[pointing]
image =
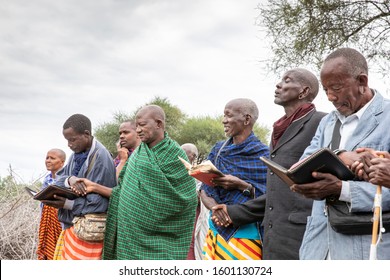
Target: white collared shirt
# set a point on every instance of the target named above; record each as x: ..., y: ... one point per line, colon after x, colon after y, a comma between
x: 348, y: 126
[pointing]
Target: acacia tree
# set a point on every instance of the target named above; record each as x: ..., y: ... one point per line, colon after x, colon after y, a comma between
x: 302, y: 32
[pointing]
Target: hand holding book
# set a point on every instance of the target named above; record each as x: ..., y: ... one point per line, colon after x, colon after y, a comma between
x: 324, y: 161
x: 52, y: 192
x: 204, y: 172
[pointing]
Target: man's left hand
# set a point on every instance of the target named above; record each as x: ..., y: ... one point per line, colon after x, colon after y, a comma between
x: 58, y: 203
x: 229, y: 182
x: 326, y: 185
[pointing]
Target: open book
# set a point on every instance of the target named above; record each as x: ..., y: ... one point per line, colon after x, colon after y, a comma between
x: 324, y: 160
x: 49, y: 192
x: 204, y: 171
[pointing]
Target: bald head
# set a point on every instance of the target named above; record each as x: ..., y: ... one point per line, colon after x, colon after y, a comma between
x: 60, y: 153
x: 55, y: 159
x: 153, y: 111
x: 150, y: 121
x: 306, y: 79
x: 191, y: 151
x: 246, y: 107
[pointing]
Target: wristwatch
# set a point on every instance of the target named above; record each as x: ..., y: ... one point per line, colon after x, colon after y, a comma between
x: 247, y: 191
x: 339, y: 151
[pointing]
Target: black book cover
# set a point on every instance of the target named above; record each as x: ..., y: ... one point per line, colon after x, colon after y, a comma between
x: 324, y: 161
x: 49, y: 192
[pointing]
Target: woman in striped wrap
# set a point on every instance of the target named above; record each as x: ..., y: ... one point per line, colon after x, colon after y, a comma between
x: 49, y: 226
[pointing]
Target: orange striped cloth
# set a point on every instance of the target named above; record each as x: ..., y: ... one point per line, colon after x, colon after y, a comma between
x: 217, y: 248
x: 59, y: 246
x: 49, y: 231
x: 77, y: 249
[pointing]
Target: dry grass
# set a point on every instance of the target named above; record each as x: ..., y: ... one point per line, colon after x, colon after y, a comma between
x: 19, y: 220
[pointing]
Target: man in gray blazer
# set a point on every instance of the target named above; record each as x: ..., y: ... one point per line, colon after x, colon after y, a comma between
x: 283, y: 212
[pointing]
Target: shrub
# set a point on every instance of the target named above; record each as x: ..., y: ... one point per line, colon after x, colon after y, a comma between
x: 19, y: 220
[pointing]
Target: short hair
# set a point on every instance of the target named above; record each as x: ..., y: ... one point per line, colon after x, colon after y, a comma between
x: 132, y: 122
x: 356, y: 62
x: 191, y: 147
x: 247, y: 106
x: 306, y: 78
x: 60, y: 153
x: 156, y: 111
x: 79, y: 123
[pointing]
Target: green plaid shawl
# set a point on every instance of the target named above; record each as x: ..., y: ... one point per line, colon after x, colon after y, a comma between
x: 152, y: 210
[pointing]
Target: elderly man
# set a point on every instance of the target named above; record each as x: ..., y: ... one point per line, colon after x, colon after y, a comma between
x: 152, y: 210
x: 245, y: 177
x: 91, y: 160
x: 360, y: 120
x: 284, y: 212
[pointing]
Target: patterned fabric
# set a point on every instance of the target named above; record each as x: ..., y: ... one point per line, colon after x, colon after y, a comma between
x: 242, y: 161
x: 201, y: 229
x: 47, y: 181
x: 49, y: 226
x: 77, y: 249
x: 217, y: 248
x: 49, y: 231
x: 79, y: 160
x: 152, y: 210
x: 98, y: 168
x: 60, y: 245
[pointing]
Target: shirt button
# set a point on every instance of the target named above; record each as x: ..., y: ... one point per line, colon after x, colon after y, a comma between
x: 270, y: 225
x: 270, y: 208
x: 273, y: 155
x: 271, y: 173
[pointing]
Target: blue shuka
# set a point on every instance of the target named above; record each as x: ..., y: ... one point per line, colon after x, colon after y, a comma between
x: 242, y: 161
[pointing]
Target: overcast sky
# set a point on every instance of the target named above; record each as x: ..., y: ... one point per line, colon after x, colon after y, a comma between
x: 99, y: 57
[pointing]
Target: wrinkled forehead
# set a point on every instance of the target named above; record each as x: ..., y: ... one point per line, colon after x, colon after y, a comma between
x: 334, y: 66
x: 233, y: 106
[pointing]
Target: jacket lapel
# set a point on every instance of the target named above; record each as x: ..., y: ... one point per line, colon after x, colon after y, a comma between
x: 367, y: 123
x: 292, y: 130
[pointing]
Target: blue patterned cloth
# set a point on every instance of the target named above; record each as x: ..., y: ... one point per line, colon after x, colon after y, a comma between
x: 79, y: 160
x: 47, y: 181
x: 242, y: 161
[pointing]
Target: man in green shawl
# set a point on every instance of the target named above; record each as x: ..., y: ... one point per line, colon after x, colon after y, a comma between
x: 152, y: 210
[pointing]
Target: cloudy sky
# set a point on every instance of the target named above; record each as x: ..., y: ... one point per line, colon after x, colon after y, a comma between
x: 99, y: 57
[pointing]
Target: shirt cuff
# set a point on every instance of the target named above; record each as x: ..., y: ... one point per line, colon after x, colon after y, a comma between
x: 68, y: 205
x: 66, y: 182
x: 345, y: 194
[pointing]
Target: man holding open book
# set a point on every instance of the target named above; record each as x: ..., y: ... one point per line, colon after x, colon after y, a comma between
x: 360, y: 119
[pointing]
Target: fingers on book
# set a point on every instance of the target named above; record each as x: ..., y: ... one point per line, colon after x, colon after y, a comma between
x: 49, y: 192
x: 204, y: 172
x: 323, y: 160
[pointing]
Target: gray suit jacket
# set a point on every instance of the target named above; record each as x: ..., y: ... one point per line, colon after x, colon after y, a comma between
x: 283, y: 212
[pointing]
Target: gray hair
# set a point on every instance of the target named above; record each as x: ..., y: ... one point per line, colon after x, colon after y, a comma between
x: 356, y: 62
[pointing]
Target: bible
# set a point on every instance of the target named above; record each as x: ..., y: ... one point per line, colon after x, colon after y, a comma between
x: 204, y: 171
x: 323, y: 160
x: 49, y: 192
